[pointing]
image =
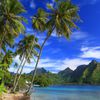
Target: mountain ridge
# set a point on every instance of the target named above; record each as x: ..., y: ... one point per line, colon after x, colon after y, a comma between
x: 83, y: 74
x: 67, y: 68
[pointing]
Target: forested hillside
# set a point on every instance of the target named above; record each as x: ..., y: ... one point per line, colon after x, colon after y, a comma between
x: 83, y: 74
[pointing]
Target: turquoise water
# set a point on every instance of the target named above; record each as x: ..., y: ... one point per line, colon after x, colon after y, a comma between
x: 66, y: 93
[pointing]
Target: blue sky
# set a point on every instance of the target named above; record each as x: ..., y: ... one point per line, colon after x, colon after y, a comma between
x: 59, y: 53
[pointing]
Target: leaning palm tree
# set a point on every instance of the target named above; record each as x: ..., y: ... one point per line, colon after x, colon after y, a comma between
x: 61, y: 18
x: 23, y: 48
x: 10, y: 21
x: 27, y: 49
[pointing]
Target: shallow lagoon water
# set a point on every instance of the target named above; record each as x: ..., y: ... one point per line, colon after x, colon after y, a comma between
x: 66, y: 93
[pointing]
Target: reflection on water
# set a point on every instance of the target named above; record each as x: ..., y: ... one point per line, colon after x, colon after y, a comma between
x: 67, y: 93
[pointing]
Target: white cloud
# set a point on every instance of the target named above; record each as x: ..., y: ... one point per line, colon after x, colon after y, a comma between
x: 73, y: 63
x: 29, y: 29
x: 54, y: 64
x: 77, y: 35
x: 90, y: 52
x: 54, y: 34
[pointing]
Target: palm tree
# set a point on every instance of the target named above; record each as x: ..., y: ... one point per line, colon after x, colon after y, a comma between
x: 10, y: 21
x: 60, y: 18
x: 22, y: 48
x: 27, y: 49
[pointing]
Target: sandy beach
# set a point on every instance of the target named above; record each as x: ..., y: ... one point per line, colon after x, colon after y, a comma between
x: 14, y: 97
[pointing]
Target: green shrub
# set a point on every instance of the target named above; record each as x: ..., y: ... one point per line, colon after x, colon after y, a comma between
x: 2, y: 89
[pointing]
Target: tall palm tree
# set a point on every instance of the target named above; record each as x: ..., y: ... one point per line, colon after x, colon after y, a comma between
x: 61, y: 18
x: 10, y: 21
x: 27, y: 49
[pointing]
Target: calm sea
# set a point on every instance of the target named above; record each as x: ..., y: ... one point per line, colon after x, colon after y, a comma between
x: 66, y: 93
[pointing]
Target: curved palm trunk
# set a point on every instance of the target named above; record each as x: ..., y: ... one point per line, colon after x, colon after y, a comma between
x: 19, y: 76
x: 17, y: 72
x: 34, y: 72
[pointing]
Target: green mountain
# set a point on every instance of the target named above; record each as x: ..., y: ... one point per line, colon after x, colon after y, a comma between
x: 91, y: 75
x: 66, y: 74
x: 77, y: 73
x: 83, y: 74
x: 45, y: 78
x: 39, y: 71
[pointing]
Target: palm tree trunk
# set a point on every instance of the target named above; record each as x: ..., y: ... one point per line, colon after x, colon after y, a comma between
x: 34, y: 72
x: 19, y: 76
x: 17, y: 72
x: 16, y: 84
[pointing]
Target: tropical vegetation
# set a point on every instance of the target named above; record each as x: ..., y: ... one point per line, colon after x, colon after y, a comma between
x: 63, y: 13
x: 79, y: 76
x: 83, y: 74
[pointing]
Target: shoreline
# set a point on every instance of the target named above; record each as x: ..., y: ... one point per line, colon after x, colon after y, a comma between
x: 73, y: 85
